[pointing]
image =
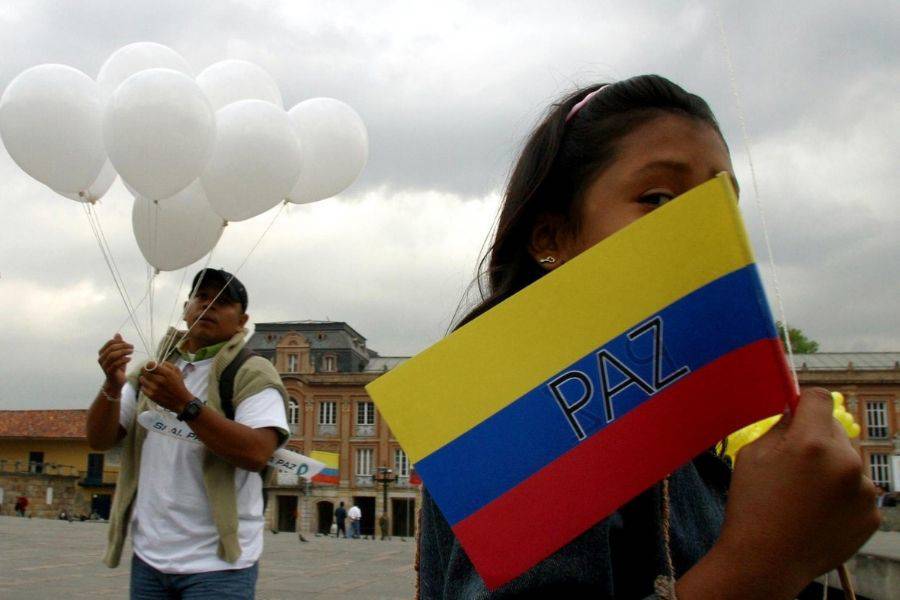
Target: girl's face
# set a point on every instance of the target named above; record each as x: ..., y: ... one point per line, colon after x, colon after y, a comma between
x: 656, y: 162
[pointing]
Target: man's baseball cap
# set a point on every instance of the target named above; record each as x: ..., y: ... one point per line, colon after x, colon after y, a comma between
x: 231, y: 285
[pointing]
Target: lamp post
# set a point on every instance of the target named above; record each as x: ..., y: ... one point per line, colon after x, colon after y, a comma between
x: 385, y: 477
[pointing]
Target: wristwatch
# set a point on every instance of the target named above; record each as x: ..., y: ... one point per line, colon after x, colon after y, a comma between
x: 191, y: 410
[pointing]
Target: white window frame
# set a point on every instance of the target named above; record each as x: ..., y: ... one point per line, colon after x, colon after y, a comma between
x: 876, y: 420
x: 365, y: 412
x: 329, y: 363
x: 293, y: 412
x: 880, y: 469
x: 364, y: 459
x: 328, y: 412
x: 401, y: 463
x: 293, y: 363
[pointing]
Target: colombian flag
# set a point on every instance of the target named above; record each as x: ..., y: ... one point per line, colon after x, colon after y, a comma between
x: 414, y: 477
x: 546, y: 414
x: 328, y: 475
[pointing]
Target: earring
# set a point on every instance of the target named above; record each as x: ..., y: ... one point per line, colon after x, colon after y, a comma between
x: 548, y: 260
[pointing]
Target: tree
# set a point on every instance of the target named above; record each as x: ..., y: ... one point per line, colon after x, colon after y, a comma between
x: 799, y: 342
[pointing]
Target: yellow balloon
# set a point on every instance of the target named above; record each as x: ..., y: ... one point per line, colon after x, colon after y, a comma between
x: 838, y: 398
x: 754, y: 431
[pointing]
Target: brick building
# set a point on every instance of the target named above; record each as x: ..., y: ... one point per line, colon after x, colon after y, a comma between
x: 325, y: 366
x: 45, y: 456
x: 870, y: 382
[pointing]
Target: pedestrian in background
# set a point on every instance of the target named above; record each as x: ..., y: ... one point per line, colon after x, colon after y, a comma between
x: 340, y: 519
x: 383, y: 526
x: 355, y: 517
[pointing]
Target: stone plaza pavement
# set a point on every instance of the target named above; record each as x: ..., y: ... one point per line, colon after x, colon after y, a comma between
x: 41, y: 559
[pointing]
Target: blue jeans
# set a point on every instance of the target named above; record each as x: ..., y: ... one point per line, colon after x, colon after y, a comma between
x: 148, y: 583
x: 354, y: 529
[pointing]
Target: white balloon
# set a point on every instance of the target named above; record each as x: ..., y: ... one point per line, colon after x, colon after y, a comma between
x: 335, y: 148
x: 233, y: 80
x: 128, y: 60
x: 178, y: 231
x: 50, y: 122
x: 97, y: 189
x: 256, y: 160
x: 159, y: 131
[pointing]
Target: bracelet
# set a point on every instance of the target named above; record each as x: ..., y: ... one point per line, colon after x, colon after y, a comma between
x: 108, y: 397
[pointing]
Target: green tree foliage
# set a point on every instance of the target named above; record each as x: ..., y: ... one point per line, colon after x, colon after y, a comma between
x: 799, y: 342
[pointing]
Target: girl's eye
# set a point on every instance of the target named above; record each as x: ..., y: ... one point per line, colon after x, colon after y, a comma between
x: 656, y: 198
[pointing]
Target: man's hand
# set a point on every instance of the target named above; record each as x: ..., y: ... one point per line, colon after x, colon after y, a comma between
x: 165, y: 386
x: 113, y: 357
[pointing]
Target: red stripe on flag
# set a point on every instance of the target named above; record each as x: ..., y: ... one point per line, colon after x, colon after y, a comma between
x: 329, y: 479
x: 561, y: 501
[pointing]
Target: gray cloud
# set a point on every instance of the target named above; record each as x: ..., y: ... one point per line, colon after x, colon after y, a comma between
x: 448, y: 98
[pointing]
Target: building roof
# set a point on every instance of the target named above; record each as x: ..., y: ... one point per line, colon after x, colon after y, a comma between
x: 321, y: 335
x: 842, y: 361
x: 384, y: 363
x: 307, y: 325
x: 45, y: 424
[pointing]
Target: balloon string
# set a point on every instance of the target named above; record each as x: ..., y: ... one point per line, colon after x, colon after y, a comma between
x: 139, y: 304
x: 151, y: 285
x: 115, y: 268
x: 240, y: 266
x: 759, y: 204
x: 154, y: 245
x: 171, y: 340
x: 165, y: 346
x: 846, y: 582
x: 106, y: 245
x: 106, y: 251
x: 108, y: 259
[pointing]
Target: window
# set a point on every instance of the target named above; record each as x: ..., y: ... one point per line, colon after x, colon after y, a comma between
x: 876, y: 420
x: 329, y: 363
x: 36, y: 462
x: 292, y: 363
x: 327, y: 413
x: 94, y: 469
x: 401, y: 463
x: 364, y: 461
x: 365, y: 413
x: 879, y: 470
x: 293, y: 413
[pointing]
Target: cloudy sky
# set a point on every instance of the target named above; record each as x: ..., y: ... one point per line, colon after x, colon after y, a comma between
x: 448, y: 92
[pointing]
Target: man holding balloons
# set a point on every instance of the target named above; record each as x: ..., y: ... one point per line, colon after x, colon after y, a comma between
x: 195, y: 153
x: 190, y: 486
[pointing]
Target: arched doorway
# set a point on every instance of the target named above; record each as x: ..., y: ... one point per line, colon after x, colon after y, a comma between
x: 325, y: 510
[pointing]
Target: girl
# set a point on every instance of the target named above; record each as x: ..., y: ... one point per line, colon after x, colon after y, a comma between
x: 602, y: 158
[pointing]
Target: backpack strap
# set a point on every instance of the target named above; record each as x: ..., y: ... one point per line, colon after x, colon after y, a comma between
x: 226, y: 397
x: 226, y: 380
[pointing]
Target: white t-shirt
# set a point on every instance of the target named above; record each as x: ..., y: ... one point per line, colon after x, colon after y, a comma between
x: 172, y: 526
x: 354, y: 513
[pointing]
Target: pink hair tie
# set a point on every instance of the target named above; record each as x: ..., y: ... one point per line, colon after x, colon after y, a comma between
x: 584, y: 101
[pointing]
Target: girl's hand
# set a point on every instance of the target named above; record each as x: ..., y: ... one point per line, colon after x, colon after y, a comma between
x: 800, y: 503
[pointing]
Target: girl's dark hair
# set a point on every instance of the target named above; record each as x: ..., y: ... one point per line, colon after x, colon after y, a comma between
x: 559, y: 162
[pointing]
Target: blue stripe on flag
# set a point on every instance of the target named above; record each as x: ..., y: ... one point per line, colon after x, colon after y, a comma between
x: 505, y: 449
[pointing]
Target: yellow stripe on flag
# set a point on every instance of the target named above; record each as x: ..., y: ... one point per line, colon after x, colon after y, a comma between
x: 479, y: 369
x: 329, y: 458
